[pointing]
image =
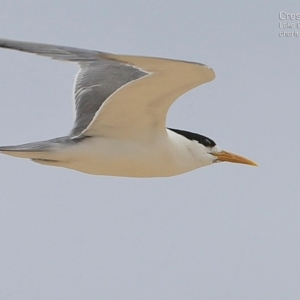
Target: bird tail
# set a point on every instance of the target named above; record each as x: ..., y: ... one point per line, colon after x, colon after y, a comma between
x: 44, y: 150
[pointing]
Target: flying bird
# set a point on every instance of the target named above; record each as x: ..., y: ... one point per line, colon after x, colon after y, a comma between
x: 121, y: 104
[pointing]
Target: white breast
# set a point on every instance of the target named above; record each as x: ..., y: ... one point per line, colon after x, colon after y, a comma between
x: 167, y: 155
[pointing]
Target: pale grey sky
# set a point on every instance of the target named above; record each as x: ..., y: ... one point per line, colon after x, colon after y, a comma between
x: 223, y: 232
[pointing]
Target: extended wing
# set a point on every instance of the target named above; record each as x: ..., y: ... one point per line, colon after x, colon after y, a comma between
x: 120, y: 95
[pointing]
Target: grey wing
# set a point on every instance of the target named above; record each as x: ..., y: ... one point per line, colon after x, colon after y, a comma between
x: 139, y: 108
x: 110, y: 97
x: 100, y: 75
x: 56, y: 52
x: 95, y: 82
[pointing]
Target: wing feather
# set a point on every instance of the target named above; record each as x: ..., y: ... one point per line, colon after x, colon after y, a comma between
x: 95, y: 82
x: 120, y: 95
x: 139, y: 108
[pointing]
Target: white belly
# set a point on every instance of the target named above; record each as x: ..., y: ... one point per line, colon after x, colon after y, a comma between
x: 106, y: 156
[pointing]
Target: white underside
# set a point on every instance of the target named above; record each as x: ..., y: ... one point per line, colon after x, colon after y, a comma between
x: 126, y: 130
x: 168, y: 155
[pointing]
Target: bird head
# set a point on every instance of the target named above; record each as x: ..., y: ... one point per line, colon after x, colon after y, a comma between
x: 207, y: 152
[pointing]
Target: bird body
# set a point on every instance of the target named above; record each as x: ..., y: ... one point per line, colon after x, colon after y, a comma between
x: 162, y: 156
x: 121, y: 104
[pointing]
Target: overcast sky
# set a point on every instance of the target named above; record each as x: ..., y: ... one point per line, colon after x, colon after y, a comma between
x: 222, y: 232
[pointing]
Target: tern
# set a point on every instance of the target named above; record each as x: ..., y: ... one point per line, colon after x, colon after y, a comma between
x: 121, y: 104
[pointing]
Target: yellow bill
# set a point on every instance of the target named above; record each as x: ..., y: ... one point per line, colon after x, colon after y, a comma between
x: 233, y: 158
